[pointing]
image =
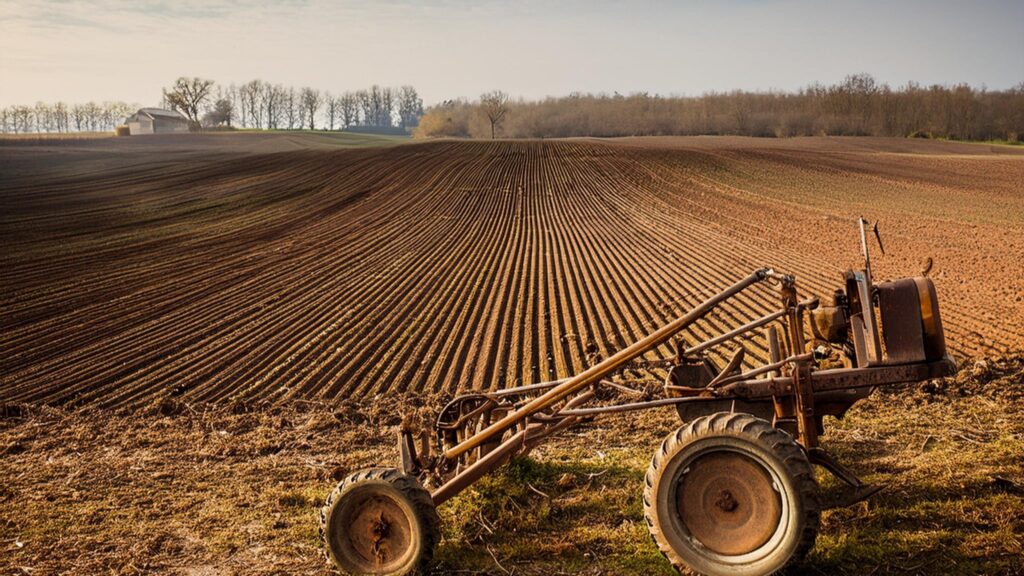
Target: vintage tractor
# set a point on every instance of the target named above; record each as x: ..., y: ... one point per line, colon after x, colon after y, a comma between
x: 729, y: 492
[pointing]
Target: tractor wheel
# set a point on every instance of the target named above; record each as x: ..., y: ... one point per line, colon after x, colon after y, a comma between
x: 380, y: 521
x: 729, y: 494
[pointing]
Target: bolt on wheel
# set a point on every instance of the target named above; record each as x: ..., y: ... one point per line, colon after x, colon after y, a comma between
x: 730, y: 494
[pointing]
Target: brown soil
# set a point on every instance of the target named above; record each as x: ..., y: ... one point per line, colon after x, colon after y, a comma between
x: 225, y: 269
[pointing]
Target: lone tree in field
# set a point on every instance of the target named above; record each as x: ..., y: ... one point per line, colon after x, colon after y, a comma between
x: 495, y: 106
x: 312, y: 100
x: 187, y: 96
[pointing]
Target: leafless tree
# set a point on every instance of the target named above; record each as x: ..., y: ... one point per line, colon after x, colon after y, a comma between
x: 232, y: 95
x: 250, y: 96
x: 273, y: 99
x: 366, y: 106
x: 387, y: 106
x: 292, y: 108
x: 311, y: 101
x: 349, y: 109
x: 95, y: 115
x: 21, y: 118
x: 78, y: 114
x: 332, y: 110
x: 41, y: 117
x: 410, y: 107
x: 61, y: 117
x: 495, y: 106
x: 108, y: 115
x: 375, y: 105
x: 187, y: 96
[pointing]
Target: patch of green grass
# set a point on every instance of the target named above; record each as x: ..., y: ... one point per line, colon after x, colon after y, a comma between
x: 332, y: 137
x: 575, y: 505
x: 566, y: 513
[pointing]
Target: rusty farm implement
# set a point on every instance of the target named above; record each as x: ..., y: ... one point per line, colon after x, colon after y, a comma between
x: 729, y: 492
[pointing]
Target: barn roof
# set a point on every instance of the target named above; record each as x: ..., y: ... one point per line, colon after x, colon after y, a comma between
x: 160, y: 112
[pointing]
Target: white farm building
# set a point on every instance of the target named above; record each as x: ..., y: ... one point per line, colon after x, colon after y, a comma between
x: 156, y: 121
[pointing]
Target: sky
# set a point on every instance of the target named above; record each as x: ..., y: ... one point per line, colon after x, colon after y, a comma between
x: 81, y: 50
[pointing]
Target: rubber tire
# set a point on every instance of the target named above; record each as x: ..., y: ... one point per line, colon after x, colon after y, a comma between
x: 773, y: 447
x: 426, y: 528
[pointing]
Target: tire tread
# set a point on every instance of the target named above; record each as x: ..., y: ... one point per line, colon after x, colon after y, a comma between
x: 788, y: 451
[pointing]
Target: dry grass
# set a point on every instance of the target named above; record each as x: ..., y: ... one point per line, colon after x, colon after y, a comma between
x: 231, y: 491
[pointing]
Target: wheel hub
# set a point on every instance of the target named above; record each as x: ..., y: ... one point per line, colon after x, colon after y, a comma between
x: 728, y: 503
x: 380, y: 536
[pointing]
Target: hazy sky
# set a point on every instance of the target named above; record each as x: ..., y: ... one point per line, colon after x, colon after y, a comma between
x: 110, y: 50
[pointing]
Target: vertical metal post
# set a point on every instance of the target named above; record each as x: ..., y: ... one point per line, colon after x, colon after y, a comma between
x: 807, y: 428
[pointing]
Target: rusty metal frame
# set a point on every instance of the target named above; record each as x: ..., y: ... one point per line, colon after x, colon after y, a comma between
x: 480, y: 431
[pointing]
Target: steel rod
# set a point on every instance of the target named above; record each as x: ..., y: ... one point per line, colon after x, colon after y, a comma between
x: 745, y: 328
x: 617, y: 408
x: 520, y: 440
x: 840, y: 378
x: 761, y: 370
x: 527, y: 388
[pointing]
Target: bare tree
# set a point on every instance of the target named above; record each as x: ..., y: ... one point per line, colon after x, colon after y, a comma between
x: 273, y: 98
x: 332, y: 110
x: 349, y: 109
x: 311, y: 101
x: 109, y: 115
x: 23, y: 119
x: 250, y: 94
x: 233, y: 95
x: 92, y: 115
x: 16, y: 119
x: 60, y: 113
x: 291, y: 108
x: 495, y: 107
x: 41, y: 117
x: 375, y: 106
x: 387, y: 106
x: 365, y: 107
x: 187, y: 96
x: 78, y: 114
x: 410, y: 107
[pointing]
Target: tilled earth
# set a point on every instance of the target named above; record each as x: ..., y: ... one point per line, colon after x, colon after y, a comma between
x: 267, y: 269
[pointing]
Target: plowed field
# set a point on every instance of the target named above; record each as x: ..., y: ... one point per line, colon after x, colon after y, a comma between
x: 271, y: 274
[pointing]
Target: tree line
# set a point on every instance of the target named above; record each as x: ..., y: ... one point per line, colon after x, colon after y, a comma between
x: 63, y: 117
x: 261, y: 104
x: 857, y: 106
x: 254, y: 104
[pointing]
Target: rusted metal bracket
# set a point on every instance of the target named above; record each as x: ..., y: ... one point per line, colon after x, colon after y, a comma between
x: 841, y: 379
x: 859, y: 489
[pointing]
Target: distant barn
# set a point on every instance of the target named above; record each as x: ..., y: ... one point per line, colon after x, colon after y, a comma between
x: 156, y: 121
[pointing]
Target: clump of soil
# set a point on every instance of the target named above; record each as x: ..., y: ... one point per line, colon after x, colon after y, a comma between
x: 995, y: 376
